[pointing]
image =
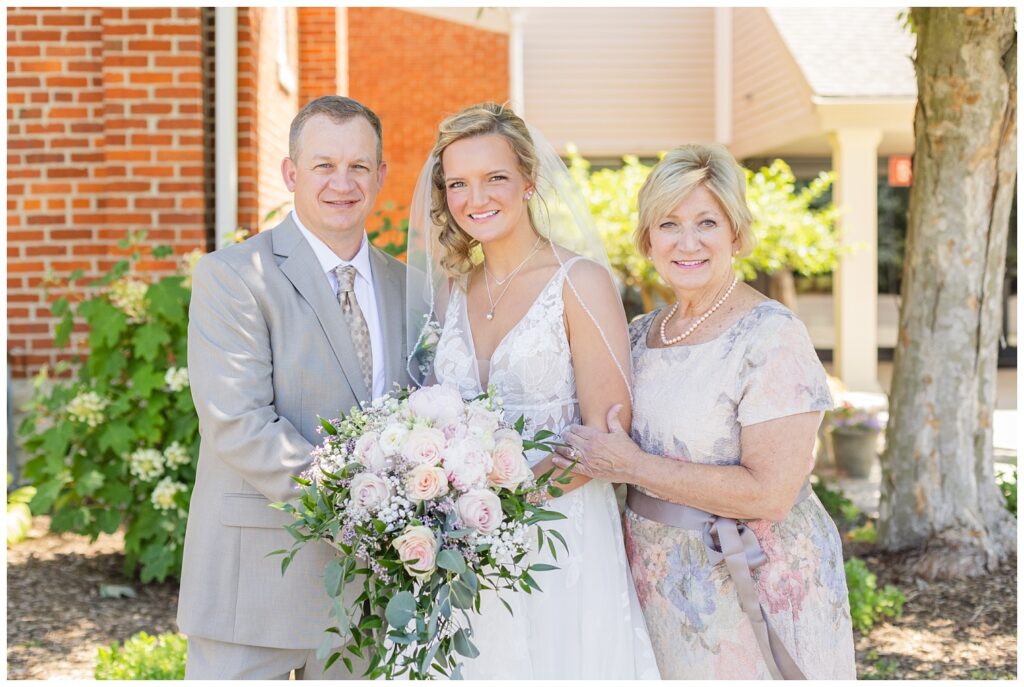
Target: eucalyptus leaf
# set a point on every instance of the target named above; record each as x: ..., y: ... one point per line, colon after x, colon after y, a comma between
x: 463, y: 645
x: 400, y: 610
x: 450, y: 559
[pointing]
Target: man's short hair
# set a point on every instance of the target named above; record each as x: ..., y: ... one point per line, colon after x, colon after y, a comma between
x: 340, y: 109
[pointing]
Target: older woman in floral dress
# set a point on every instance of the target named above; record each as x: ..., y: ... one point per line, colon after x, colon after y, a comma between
x: 738, y: 567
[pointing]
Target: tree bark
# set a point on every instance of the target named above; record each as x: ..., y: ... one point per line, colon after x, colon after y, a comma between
x: 938, y: 492
x: 782, y: 287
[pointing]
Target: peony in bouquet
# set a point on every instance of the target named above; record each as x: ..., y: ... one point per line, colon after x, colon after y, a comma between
x: 429, y: 500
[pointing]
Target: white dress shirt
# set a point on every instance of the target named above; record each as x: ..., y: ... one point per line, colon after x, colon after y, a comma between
x: 365, y: 294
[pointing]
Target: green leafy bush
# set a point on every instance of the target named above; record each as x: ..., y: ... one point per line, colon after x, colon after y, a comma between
x: 868, y: 604
x: 1007, y: 482
x: 19, y: 516
x: 845, y: 513
x: 795, y: 229
x: 143, y: 658
x: 116, y: 443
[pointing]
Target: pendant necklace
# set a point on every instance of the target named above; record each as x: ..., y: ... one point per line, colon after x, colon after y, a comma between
x: 507, y: 281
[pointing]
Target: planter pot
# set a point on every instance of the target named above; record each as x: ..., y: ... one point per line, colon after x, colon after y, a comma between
x: 855, y: 450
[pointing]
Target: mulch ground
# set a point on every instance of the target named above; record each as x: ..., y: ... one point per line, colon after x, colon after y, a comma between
x: 56, y: 618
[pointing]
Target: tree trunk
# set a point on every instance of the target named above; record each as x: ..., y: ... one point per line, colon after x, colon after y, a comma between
x: 782, y: 287
x: 938, y: 493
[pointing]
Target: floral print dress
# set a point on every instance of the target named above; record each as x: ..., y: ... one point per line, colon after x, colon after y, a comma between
x: 690, y: 404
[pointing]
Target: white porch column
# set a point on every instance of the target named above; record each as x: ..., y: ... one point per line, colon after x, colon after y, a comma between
x: 855, y: 287
x: 226, y: 123
x: 515, y: 60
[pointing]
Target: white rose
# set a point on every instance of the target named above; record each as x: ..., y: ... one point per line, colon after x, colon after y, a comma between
x: 368, y: 490
x: 392, y: 438
x: 509, y: 468
x: 417, y: 549
x: 425, y: 482
x: 369, y: 453
x: 423, y: 445
x: 438, y: 403
x: 467, y: 463
x: 480, y: 509
x: 454, y: 429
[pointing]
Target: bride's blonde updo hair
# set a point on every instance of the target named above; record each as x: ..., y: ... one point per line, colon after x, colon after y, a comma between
x: 476, y: 120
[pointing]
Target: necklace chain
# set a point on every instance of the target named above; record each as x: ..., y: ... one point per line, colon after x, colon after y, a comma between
x: 693, y: 327
x: 507, y: 281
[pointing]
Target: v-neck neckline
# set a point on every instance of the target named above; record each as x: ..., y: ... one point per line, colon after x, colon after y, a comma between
x: 472, y: 341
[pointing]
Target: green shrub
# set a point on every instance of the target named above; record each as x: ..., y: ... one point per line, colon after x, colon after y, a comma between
x: 1007, y: 481
x: 116, y: 443
x: 19, y: 516
x: 868, y: 604
x: 143, y: 658
x: 795, y: 229
x: 845, y: 513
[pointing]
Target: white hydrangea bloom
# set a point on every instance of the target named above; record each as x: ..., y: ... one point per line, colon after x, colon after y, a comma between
x: 146, y: 464
x: 175, y: 455
x: 129, y: 296
x: 188, y: 265
x: 87, y: 407
x: 176, y: 378
x: 164, y: 492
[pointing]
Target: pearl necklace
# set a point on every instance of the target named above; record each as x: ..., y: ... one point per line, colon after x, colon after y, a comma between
x: 676, y: 339
x: 507, y: 280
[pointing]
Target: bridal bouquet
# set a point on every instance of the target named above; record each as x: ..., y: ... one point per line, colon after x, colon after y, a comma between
x: 429, y: 500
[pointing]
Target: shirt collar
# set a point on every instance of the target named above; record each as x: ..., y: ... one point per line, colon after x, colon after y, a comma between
x: 329, y: 260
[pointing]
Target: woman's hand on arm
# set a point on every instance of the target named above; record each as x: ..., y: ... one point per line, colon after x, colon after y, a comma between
x: 601, y: 374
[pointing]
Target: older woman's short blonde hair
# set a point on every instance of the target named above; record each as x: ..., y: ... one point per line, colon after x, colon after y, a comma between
x: 681, y: 171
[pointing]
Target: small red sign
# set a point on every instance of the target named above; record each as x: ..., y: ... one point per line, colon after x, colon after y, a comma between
x: 900, y: 170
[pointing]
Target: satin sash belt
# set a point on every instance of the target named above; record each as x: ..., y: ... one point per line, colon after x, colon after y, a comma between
x: 727, y: 540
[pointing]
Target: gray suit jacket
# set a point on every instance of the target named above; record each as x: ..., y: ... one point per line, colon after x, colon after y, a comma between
x: 268, y: 351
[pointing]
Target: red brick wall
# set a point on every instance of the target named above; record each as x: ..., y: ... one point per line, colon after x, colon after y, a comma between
x: 413, y: 70
x: 104, y: 137
x: 318, y: 53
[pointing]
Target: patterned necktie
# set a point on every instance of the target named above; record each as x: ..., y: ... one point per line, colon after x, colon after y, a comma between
x: 353, y: 315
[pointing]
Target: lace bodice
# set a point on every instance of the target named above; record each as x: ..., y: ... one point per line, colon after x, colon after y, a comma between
x: 531, y: 367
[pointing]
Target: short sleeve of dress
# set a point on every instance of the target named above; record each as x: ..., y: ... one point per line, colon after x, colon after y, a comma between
x: 638, y: 328
x: 781, y: 374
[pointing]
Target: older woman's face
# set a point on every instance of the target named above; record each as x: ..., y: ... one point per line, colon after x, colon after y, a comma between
x: 692, y: 246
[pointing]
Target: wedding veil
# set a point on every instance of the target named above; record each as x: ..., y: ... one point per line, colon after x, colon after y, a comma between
x: 560, y: 214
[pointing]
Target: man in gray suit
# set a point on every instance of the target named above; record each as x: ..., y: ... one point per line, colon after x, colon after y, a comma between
x: 304, y: 320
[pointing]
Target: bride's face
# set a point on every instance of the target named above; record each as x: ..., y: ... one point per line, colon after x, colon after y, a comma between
x: 486, y: 192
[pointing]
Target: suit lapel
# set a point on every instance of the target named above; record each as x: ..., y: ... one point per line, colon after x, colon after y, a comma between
x: 388, y: 288
x: 305, y: 273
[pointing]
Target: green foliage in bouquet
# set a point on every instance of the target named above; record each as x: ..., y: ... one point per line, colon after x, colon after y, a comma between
x: 143, y: 657
x: 868, y: 604
x: 795, y: 228
x: 116, y: 443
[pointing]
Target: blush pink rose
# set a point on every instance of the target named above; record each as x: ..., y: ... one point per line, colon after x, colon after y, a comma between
x: 368, y: 490
x: 480, y: 509
x: 425, y: 482
x: 509, y: 467
x: 417, y: 549
x: 423, y: 446
x: 369, y: 452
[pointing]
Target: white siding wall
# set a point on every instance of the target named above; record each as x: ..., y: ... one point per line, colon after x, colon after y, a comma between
x: 617, y: 81
x: 771, y: 99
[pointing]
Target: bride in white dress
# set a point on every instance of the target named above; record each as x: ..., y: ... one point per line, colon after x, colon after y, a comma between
x: 544, y: 325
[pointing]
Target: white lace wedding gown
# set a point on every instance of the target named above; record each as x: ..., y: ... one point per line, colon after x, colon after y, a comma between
x: 586, y: 623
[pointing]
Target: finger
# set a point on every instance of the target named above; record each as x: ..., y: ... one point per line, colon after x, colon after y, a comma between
x: 614, y: 426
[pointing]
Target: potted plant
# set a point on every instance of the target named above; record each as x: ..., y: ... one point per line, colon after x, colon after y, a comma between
x: 855, y: 433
